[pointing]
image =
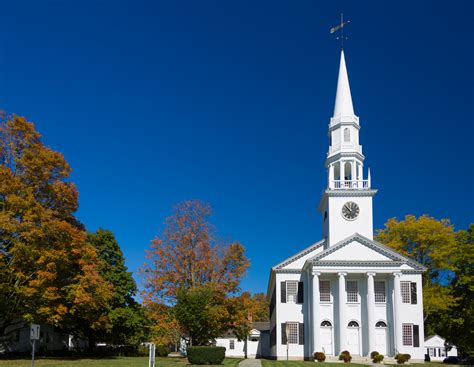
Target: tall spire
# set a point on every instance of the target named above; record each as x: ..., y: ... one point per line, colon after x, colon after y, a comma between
x: 343, y: 105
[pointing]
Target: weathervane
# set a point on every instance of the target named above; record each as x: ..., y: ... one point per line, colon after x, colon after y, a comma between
x: 340, y: 27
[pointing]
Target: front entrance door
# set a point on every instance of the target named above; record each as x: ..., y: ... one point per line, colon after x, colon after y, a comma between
x: 381, y: 337
x: 326, y: 337
x: 353, y: 338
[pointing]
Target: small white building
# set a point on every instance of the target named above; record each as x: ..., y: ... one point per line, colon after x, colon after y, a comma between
x: 257, y: 345
x: 346, y: 291
x: 436, y: 348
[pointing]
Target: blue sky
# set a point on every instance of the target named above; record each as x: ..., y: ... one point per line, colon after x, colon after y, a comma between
x: 153, y: 103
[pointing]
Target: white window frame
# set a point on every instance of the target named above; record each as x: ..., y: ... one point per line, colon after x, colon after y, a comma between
x: 293, y: 336
x: 378, y: 297
x: 292, y: 297
x: 231, y: 344
x: 352, y: 296
x: 405, y: 290
x: 326, y: 296
x: 407, y: 335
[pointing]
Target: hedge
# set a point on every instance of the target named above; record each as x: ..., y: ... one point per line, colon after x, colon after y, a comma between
x: 205, y: 355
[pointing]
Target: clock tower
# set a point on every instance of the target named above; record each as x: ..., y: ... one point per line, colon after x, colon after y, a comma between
x: 346, y: 204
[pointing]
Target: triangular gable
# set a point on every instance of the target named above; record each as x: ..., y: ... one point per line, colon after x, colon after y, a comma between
x: 298, y: 260
x: 358, y: 247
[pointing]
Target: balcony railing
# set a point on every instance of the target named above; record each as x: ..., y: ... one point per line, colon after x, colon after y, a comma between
x: 349, y: 184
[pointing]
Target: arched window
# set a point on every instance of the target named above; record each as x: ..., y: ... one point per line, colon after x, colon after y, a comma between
x: 347, y: 134
x: 380, y: 324
x: 326, y: 323
x: 353, y: 324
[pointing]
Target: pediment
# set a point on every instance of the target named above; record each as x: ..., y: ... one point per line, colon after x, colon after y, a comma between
x: 298, y: 260
x: 358, y: 249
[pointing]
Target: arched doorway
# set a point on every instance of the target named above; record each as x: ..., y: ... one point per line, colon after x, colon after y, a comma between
x: 326, y: 337
x: 381, y: 337
x: 353, y: 338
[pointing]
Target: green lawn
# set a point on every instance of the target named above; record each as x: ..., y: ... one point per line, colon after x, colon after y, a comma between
x: 105, y: 362
x: 271, y: 363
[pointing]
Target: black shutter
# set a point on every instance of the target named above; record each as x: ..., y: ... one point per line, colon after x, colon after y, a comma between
x: 413, y: 293
x: 416, y: 334
x: 283, y: 292
x: 300, y: 292
x: 283, y: 333
x: 301, y: 333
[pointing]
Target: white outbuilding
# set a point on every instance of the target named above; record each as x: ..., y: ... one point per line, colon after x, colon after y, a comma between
x: 437, y: 349
x: 346, y: 291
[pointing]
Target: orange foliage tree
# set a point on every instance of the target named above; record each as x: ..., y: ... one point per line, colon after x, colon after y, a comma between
x: 187, y: 255
x: 48, y: 272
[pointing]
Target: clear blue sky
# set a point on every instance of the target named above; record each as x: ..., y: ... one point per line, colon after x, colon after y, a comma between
x: 229, y: 101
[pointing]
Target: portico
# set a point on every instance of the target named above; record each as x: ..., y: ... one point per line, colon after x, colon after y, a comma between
x: 368, y: 309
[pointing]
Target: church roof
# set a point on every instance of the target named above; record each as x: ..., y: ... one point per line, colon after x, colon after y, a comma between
x: 299, y: 255
x: 386, y: 251
x: 343, y: 105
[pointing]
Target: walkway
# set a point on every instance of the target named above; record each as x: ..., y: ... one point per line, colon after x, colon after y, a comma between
x: 250, y: 363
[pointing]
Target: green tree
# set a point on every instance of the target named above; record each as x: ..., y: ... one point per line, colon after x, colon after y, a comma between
x: 202, y: 313
x: 457, y: 325
x: 125, y: 315
x: 432, y: 243
x: 48, y: 272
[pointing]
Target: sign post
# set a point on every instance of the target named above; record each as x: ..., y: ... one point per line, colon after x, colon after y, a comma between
x: 34, y: 336
x: 151, y: 360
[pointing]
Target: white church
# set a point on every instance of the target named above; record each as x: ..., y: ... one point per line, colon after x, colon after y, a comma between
x: 346, y: 291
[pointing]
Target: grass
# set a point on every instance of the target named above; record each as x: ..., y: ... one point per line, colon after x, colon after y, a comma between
x: 106, y: 362
x: 272, y: 363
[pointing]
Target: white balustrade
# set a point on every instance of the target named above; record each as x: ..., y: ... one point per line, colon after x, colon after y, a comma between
x: 350, y: 184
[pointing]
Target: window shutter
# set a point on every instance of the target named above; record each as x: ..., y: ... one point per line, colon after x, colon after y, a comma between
x: 301, y: 333
x: 413, y: 294
x: 300, y: 292
x: 416, y: 334
x: 283, y: 292
x: 283, y: 333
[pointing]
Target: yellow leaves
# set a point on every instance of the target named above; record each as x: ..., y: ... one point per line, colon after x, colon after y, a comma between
x: 51, y: 267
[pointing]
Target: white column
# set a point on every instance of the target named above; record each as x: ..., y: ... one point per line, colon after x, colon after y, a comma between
x: 359, y: 174
x: 353, y: 171
x: 341, y: 170
x: 316, y: 314
x: 397, y: 326
x: 342, y: 308
x: 331, y: 176
x: 371, y: 310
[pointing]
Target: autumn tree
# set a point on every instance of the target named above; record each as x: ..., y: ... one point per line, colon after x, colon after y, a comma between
x: 187, y: 264
x: 431, y: 242
x: 48, y: 272
x: 242, y: 311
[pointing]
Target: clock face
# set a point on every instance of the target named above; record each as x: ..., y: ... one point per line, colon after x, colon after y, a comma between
x: 350, y: 210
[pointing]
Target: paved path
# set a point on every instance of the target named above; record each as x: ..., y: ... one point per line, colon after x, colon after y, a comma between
x: 250, y: 363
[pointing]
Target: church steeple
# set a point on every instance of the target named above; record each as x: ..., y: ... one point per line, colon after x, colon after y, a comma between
x: 346, y: 204
x: 345, y: 158
x: 343, y: 105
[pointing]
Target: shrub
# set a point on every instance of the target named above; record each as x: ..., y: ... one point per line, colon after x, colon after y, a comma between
x: 373, y: 354
x: 319, y: 356
x: 206, y: 355
x: 345, y: 356
x: 377, y: 358
x: 143, y: 351
x: 402, y: 358
x: 162, y: 351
